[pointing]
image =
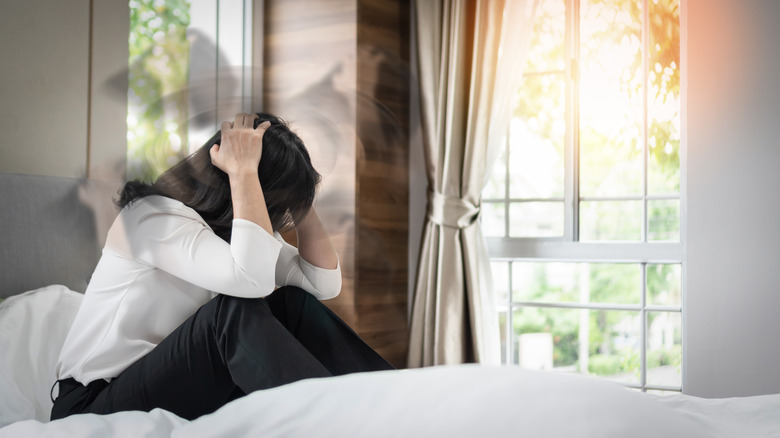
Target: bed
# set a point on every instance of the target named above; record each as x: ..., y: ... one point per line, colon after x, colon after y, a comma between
x: 44, y: 271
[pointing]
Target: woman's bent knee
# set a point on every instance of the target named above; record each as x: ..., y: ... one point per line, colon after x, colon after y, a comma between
x: 228, y: 308
x: 292, y: 291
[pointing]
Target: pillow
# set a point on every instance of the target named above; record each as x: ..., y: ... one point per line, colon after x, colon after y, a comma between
x: 33, y: 327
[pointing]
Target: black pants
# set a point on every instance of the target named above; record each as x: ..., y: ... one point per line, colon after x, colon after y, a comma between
x: 228, y: 348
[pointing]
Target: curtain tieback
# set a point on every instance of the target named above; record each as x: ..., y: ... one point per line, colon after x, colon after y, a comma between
x: 451, y: 212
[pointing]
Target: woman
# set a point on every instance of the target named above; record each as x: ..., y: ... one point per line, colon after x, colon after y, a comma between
x: 181, y: 311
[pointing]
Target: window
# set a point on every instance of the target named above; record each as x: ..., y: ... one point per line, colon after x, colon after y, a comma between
x: 582, y: 213
x: 190, y: 68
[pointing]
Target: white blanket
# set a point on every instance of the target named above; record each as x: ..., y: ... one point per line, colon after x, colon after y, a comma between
x: 461, y: 401
x: 33, y: 326
x: 457, y: 401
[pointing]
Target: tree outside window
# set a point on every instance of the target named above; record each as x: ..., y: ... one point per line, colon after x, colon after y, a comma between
x: 157, y: 95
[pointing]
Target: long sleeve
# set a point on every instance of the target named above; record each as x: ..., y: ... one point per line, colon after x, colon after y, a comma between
x: 176, y: 240
x: 293, y: 270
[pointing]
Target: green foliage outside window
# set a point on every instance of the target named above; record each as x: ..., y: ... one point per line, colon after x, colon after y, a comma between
x: 608, y: 284
x: 157, y: 94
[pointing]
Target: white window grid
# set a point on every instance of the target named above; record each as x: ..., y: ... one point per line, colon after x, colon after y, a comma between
x: 642, y: 308
x: 568, y: 248
x: 230, y: 26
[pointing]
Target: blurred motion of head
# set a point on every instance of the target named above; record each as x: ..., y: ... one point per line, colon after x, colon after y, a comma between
x: 286, y: 175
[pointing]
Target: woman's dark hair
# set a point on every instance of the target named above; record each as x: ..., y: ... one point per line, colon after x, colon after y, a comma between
x: 286, y: 175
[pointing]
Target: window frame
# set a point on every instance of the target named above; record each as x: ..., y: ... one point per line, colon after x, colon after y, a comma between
x: 224, y: 75
x: 235, y: 44
x: 568, y: 248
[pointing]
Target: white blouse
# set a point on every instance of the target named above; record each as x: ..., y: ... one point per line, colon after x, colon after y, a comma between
x: 161, y: 262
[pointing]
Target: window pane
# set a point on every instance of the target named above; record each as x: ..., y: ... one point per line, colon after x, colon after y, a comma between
x: 664, y: 348
x: 536, y: 219
x: 501, y: 281
x: 496, y: 186
x: 546, y: 338
x: 663, y: 164
x: 536, y: 137
x: 608, y: 283
x: 502, y: 332
x: 610, y: 220
x: 613, y: 345
x: 611, y: 99
x: 664, y: 98
x: 615, y: 283
x: 607, y: 341
x: 547, y: 42
x: 546, y: 282
x: 663, y: 220
x: 492, y: 217
x: 158, y: 74
x: 664, y: 283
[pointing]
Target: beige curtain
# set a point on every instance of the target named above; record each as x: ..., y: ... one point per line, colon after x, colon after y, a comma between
x: 470, y: 56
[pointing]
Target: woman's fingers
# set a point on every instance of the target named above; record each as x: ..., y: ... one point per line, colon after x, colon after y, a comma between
x: 242, y: 145
x: 263, y: 126
x: 243, y: 120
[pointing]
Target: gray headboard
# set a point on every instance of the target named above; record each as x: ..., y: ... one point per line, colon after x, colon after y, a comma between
x: 51, y: 230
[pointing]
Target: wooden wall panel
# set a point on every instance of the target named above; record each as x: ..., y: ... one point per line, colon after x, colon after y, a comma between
x: 382, y: 175
x: 338, y: 71
x: 309, y: 75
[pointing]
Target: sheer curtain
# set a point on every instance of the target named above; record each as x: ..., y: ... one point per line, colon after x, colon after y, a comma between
x: 470, y: 57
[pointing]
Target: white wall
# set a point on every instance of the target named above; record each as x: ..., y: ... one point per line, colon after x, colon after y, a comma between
x: 733, y: 218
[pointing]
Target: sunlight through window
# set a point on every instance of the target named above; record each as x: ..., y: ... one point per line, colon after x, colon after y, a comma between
x: 583, y: 209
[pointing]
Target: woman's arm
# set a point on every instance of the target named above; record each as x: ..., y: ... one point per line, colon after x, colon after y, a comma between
x: 314, y: 265
x: 314, y: 244
x: 163, y: 233
x: 239, y: 156
x: 185, y: 249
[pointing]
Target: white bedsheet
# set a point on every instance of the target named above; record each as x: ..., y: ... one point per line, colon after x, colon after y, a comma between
x: 460, y: 401
x: 757, y: 416
x: 33, y: 326
x: 457, y: 401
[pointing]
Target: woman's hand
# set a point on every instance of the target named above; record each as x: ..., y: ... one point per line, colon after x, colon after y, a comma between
x: 238, y: 156
x: 241, y: 147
